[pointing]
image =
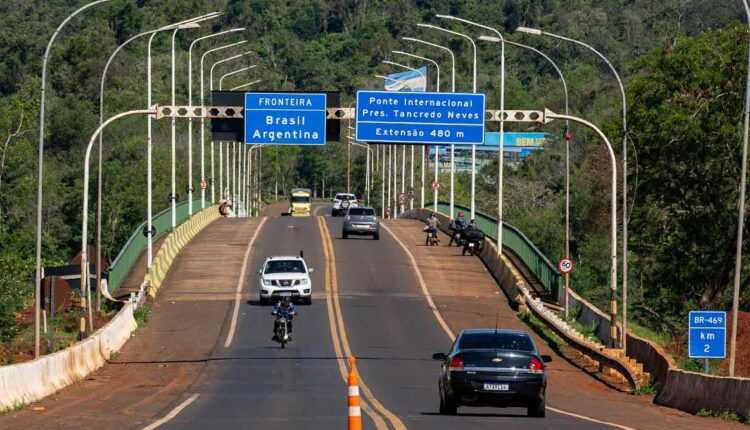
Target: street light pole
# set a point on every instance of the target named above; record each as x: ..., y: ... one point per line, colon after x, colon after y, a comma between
x: 741, y: 215
x: 474, y: 90
x: 40, y: 176
x: 567, y: 151
x: 613, y: 235
x: 453, y: 146
x: 244, y: 69
x: 85, y: 279
x: 203, y: 121
x: 99, y: 170
x: 249, y: 84
x: 173, y: 196
x: 538, y: 32
x: 190, y: 121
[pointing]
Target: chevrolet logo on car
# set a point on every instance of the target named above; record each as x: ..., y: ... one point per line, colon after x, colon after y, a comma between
x: 497, y: 360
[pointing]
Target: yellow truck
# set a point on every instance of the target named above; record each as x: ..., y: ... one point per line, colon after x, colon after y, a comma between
x: 299, y: 202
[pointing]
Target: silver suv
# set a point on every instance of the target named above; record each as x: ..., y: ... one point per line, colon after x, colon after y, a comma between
x: 341, y: 203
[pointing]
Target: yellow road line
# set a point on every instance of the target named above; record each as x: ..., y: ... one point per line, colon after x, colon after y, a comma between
x: 330, y: 279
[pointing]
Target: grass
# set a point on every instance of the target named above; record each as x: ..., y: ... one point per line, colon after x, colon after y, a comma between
x: 552, y: 338
x: 660, y: 338
x: 726, y: 415
x: 141, y: 315
x: 651, y: 388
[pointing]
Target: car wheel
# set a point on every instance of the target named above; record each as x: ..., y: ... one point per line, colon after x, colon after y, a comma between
x: 537, y: 408
x: 344, y: 235
x: 262, y: 301
x: 307, y: 300
x: 376, y: 236
x: 448, y: 406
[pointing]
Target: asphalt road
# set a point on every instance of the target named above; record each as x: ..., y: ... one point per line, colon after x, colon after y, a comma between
x: 381, y: 318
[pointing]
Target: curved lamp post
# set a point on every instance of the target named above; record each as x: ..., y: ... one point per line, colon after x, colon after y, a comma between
x: 40, y: 185
x: 203, y: 120
x: 474, y: 90
x: 741, y: 215
x: 567, y: 149
x: 538, y: 32
x: 190, y: 122
x: 249, y: 84
x: 226, y: 75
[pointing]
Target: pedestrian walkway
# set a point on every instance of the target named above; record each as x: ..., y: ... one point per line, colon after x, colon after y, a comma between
x: 158, y: 365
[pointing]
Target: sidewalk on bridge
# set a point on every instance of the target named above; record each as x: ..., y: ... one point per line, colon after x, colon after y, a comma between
x: 156, y: 367
x: 467, y: 295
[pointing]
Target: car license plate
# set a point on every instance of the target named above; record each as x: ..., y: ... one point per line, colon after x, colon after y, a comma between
x: 495, y: 387
x: 361, y: 226
x: 285, y: 294
x: 471, y: 245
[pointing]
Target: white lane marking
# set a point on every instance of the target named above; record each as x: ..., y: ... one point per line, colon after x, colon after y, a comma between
x: 593, y: 420
x: 442, y: 322
x: 423, y: 285
x: 173, y: 413
x: 240, y: 283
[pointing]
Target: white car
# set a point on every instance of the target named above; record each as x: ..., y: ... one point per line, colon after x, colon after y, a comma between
x: 342, y: 202
x: 285, y: 276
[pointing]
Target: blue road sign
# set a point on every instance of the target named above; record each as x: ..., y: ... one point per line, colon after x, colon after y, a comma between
x: 421, y: 118
x: 707, y: 334
x: 285, y: 119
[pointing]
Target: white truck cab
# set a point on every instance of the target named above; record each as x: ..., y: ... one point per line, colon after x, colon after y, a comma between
x: 285, y: 276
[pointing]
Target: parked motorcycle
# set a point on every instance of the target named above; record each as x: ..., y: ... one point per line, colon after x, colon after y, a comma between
x: 473, y: 240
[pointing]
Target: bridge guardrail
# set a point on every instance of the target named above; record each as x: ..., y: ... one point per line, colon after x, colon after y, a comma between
x: 137, y: 242
x: 516, y: 241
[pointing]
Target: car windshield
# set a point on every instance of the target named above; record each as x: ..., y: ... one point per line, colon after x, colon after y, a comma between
x: 362, y: 211
x: 300, y: 199
x: 285, y: 266
x: 499, y: 340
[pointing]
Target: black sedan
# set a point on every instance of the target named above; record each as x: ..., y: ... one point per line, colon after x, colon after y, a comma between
x: 493, y: 367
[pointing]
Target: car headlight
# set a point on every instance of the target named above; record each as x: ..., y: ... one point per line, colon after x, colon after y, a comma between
x: 303, y: 281
x: 267, y: 282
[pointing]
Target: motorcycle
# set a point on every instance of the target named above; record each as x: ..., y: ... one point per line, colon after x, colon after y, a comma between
x: 474, y: 247
x: 282, y: 330
x: 432, y: 238
x: 473, y: 241
x: 456, y: 237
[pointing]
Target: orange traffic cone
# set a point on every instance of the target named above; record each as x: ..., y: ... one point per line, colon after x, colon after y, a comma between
x: 355, y: 413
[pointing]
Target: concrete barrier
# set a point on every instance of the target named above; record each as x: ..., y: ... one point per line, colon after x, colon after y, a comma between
x: 29, y: 382
x: 693, y: 392
x: 174, y: 243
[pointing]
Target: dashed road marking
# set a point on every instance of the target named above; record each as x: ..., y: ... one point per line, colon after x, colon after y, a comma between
x: 173, y: 413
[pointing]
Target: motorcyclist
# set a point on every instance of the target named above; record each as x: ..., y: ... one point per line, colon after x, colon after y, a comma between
x: 472, y: 234
x: 433, y: 224
x: 285, y: 308
x: 457, y: 225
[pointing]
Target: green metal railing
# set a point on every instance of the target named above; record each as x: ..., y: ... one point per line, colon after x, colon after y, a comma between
x: 517, y: 242
x: 131, y: 251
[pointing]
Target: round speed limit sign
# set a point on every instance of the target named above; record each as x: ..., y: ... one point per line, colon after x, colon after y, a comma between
x: 565, y: 265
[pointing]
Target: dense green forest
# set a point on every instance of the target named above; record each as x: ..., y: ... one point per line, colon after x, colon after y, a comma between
x: 683, y: 62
